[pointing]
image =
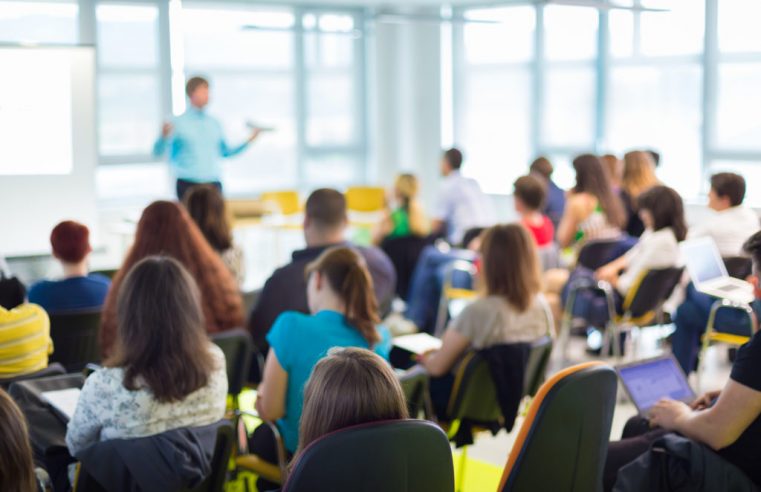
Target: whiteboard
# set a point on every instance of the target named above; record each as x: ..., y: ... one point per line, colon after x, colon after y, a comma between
x: 48, y: 144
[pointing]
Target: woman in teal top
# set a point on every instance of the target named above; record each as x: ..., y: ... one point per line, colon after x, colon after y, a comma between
x: 344, y: 314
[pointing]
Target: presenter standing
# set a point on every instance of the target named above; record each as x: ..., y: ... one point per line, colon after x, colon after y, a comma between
x: 195, y: 142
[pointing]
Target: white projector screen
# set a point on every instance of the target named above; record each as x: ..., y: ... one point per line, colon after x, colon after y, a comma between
x: 47, y: 144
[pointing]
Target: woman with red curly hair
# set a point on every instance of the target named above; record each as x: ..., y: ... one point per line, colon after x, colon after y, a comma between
x: 165, y: 228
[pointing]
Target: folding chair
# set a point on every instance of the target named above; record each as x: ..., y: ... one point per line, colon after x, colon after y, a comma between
x: 54, y: 369
x: 75, y: 338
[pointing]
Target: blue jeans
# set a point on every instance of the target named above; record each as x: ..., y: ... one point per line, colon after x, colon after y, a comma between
x: 427, y: 282
x: 691, y: 319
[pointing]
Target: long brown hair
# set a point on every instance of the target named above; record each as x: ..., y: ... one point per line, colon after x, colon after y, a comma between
x: 667, y: 209
x: 161, y: 341
x: 206, y: 207
x: 639, y: 173
x: 16, y: 462
x: 511, y: 265
x: 165, y: 228
x: 592, y: 178
x: 347, y: 275
x: 350, y: 386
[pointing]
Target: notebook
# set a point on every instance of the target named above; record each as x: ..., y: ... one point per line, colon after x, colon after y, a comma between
x: 419, y: 343
x: 63, y: 402
x: 647, y: 381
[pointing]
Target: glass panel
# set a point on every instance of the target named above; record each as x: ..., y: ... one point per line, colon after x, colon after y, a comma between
x: 336, y: 170
x: 507, y: 35
x: 128, y: 35
x: 129, y: 113
x: 569, y: 110
x: 237, y: 38
x: 494, y: 129
x: 621, y: 29
x: 570, y: 32
x: 38, y: 22
x: 738, y: 106
x: 659, y: 108
x: 678, y: 31
x: 751, y: 171
x: 738, y: 25
x: 330, y: 117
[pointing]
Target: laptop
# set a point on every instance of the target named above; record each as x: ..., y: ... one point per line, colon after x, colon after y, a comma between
x: 649, y: 380
x: 709, y: 275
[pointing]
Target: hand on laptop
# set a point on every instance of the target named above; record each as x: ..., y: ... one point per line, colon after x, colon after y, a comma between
x: 705, y: 401
x: 666, y: 413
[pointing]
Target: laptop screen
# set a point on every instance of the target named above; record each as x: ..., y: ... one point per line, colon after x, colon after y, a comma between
x: 703, y: 261
x: 650, y: 380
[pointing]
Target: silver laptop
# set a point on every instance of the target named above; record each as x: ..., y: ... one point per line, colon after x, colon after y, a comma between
x: 709, y: 275
x: 647, y: 381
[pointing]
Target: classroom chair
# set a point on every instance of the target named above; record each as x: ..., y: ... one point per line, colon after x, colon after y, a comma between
x: 395, y: 455
x: 404, y: 253
x: 563, y: 442
x: 75, y: 338
x: 54, y: 369
x: 415, y: 385
x: 365, y: 199
x: 453, y: 292
x: 285, y: 202
x: 600, y: 252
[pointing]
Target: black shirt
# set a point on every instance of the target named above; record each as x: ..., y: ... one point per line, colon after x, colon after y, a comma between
x: 745, y: 453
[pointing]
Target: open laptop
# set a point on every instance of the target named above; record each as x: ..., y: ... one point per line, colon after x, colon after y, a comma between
x: 709, y: 275
x: 647, y: 381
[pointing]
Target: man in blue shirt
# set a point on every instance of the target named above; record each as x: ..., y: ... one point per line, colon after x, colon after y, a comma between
x: 195, y: 142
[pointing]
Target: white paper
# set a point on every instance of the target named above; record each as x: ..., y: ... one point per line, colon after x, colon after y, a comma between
x: 419, y: 343
x: 65, y: 401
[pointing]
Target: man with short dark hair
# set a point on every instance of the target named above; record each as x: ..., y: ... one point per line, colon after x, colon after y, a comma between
x: 195, y: 141
x: 554, y: 205
x: 461, y: 204
x: 325, y: 221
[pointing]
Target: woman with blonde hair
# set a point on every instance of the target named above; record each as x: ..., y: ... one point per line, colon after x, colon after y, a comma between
x: 638, y: 177
x: 408, y: 218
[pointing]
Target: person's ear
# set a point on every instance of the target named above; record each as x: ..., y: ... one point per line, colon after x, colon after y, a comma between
x: 317, y: 280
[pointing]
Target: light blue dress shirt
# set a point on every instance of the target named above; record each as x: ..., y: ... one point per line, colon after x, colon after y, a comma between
x: 195, y: 146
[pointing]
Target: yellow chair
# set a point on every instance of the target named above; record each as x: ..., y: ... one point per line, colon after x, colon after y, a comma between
x: 365, y: 199
x: 286, y: 202
x: 450, y: 294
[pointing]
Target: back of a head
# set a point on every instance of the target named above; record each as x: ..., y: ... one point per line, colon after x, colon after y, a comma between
x: 667, y: 209
x: 350, y: 386
x: 454, y: 157
x: 347, y: 275
x: 161, y: 338
x: 206, y: 207
x: 326, y: 209
x: 729, y: 185
x: 530, y: 190
x: 592, y: 178
x: 407, y: 187
x: 542, y: 166
x: 70, y: 241
x: 752, y: 247
x: 614, y: 167
x: 16, y: 462
x: 511, y: 264
x: 639, y: 172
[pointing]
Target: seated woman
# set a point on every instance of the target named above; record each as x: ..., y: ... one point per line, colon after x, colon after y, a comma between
x: 408, y: 218
x: 350, y: 386
x: 639, y: 176
x: 206, y: 207
x: 17, y: 472
x: 512, y: 310
x: 344, y: 314
x: 165, y: 228
x: 77, y: 290
x: 164, y: 373
x: 731, y: 426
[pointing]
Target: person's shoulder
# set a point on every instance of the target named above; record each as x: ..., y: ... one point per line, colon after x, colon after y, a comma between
x: 289, y: 320
x: 24, y: 313
x: 217, y: 354
x: 39, y: 288
x: 99, y: 279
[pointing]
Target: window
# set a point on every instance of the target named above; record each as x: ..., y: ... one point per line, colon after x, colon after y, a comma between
x: 29, y: 21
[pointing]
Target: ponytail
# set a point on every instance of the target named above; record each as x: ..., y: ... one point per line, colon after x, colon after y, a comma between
x: 347, y: 275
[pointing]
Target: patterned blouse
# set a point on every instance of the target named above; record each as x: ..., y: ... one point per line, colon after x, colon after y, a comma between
x: 107, y: 410
x: 235, y: 262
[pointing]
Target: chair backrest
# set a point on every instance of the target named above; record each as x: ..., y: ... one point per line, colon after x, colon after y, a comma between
x: 365, y: 198
x: 651, y: 290
x: 597, y: 253
x: 738, y: 266
x: 223, y: 448
x: 563, y: 441
x: 75, y: 338
x: 54, y: 369
x: 474, y: 396
x: 404, y: 253
x: 238, y: 348
x: 401, y: 455
x: 286, y: 202
x: 536, y: 366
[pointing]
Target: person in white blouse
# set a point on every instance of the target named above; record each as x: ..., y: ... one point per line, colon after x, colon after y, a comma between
x: 164, y: 374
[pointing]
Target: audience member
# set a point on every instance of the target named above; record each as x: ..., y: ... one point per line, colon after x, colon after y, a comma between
x: 17, y: 472
x: 512, y: 310
x: 350, y: 386
x: 461, y: 204
x: 325, y: 223
x: 344, y: 314
x: 727, y: 421
x: 12, y: 290
x: 555, y: 203
x: 77, y: 290
x: 639, y: 176
x: 165, y: 228
x: 729, y: 225
x: 24, y: 340
x: 529, y: 194
x: 164, y: 372
x: 615, y: 170
x: 656, y: 156
x: 206, y: 207
x: 407, y: 218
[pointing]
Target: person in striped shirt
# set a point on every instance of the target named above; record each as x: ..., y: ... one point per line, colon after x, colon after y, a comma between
x: 24, y: 340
